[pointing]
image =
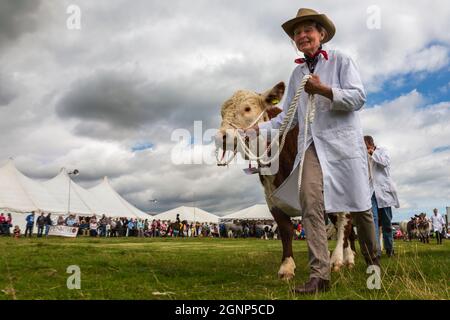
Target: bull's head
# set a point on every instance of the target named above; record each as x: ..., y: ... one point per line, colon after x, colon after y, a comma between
x: 242, y: 109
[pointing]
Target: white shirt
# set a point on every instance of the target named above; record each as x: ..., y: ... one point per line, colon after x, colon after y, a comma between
x: 438, y: 222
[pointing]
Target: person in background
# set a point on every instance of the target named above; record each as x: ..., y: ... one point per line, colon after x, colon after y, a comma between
x: 119, y: 227
x: 146, y: 226
x: 16, y: 232
x: 113, y: 226
x: 93, y: 225
x: 84, y: 227
x: 71, y: 221
x: 384, y: 194
x: 154, y: 225
x: 40, y: 223
x: 8, y: 223
x: 2, y: 223
x: 193, y: 230
x: 438, y: 224
x: 158, y: 228
x: 130, y: 227
x: 108, y: 227
x: 30, y: 224
x: 103, y: 222
x: 60, y: 221
x: 48, y: 223
x: 140, y: 228
x: 163, y: 228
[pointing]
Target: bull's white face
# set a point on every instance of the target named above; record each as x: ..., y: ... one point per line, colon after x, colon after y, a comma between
x: 242, y: 109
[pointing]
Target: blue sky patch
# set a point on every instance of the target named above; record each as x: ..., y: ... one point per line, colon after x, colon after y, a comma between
x: 142, y: 146
x: 435, y: 86
x: 441, y: 149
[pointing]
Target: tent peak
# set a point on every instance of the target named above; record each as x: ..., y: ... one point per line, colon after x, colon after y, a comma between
x: 10, y: 162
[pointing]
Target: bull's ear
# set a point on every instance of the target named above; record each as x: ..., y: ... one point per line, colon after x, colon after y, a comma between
x: 274, y: 95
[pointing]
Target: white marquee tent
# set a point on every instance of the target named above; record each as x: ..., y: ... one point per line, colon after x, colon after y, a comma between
x: 256, y: 212
x: 81, y: 201
x: 115, y: 205
x: 20, y: 194
x: 191, y: 214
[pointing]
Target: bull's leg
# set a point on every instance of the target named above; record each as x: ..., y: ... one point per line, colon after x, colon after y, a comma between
x: 337, y: 257
x: 352, y: 239
x: 349, y: 255
x: 380, y: 230
x: 287, y: 268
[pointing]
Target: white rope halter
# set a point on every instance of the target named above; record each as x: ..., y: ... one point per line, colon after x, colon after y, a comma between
x: 284, y: 129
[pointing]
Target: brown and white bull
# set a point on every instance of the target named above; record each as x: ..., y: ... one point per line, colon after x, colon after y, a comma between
x: 240, y: 111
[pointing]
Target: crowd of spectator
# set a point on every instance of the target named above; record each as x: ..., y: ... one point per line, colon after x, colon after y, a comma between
x: 109, y: 227
x: 132, y: 227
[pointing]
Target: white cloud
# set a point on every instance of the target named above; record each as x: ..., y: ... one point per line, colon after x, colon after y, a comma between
x: 412, y: 130
x: 197, y: 54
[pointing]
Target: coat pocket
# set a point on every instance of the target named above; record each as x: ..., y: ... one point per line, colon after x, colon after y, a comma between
x: 342, y: 143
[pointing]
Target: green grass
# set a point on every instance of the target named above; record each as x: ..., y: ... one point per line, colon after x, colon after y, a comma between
x: 203, y: 269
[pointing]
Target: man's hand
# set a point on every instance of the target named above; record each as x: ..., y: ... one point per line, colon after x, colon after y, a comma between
x: 314, y: 86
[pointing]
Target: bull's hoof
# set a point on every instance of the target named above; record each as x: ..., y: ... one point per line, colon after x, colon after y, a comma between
x: 350, y: 265
x: 337, y: 267
x: 286, y: 276
x: 287, y: 269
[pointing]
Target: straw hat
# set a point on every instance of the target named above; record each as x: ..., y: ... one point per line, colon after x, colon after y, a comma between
x: 304, y: 14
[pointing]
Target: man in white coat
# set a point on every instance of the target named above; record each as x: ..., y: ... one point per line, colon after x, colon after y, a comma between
x: 384, y: 194
x: 335, y: 167
x: 438, y: 223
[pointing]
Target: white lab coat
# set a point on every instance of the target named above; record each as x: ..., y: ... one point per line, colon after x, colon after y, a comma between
x: 336, y: 132
x: 438, y: 222
x: 381, y: 181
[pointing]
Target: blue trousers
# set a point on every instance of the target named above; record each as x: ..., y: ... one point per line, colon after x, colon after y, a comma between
x: 383, y: 215
x: 47, y: 229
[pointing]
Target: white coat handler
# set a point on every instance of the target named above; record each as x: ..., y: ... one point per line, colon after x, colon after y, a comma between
x: 335, y: 168
x: 384, y: 194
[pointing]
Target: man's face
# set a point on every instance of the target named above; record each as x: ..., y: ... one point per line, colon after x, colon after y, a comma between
x: 370, y: 147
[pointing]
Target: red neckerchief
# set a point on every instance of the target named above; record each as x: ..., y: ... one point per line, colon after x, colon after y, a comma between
x: 320, y: 51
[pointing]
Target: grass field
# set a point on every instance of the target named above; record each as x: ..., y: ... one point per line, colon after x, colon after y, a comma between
x: 203, y: 269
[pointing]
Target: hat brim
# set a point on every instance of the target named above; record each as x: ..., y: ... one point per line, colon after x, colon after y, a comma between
x: 289, y: 25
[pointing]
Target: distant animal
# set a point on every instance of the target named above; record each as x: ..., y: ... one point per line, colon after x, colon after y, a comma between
x: 409, y: 228
x: 424, y: 228
x: 267, y: 231
x: 233, y: 229
x: 176, y: 228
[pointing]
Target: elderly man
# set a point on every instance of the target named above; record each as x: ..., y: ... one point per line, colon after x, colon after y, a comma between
x: 331, y: 151
x: 384, y: 194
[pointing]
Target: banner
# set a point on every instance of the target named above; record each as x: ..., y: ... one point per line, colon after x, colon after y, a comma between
x: 63, y: 231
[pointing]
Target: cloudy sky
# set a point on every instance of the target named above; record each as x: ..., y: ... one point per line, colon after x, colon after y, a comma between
x: 111, y: 97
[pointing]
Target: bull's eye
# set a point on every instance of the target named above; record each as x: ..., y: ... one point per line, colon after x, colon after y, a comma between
x: 248, y: 109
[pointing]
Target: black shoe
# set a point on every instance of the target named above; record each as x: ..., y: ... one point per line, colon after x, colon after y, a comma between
x: 314, y: 285
x: 390, y: 254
